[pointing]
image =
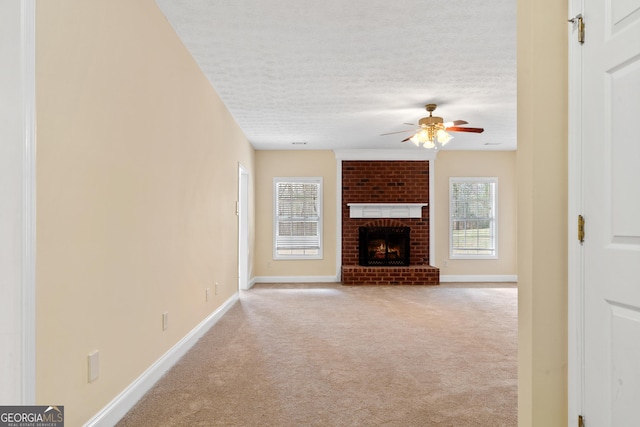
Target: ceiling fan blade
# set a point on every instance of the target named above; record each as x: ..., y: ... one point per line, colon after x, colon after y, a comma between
x: 400, y: 131
x: 455, y: 123
x: 463, y: 129
x: 406, y: 139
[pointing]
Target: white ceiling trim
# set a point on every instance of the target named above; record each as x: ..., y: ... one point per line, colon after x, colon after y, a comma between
x: 381, y: 154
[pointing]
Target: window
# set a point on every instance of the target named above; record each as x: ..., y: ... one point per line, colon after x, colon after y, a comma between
x: 297, y: 231
x: 473, y: 219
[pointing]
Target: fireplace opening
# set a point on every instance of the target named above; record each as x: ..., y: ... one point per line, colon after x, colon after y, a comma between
x: 384, y: 245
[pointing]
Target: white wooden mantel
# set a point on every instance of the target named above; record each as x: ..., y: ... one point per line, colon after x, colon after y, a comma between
x: 386, y: 210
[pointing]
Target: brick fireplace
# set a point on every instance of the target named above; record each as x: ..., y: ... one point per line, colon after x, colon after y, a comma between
x: 391, y: 187
x: 384, y: 246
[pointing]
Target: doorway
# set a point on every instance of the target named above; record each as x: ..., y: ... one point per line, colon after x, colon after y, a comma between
x: 243, y: 228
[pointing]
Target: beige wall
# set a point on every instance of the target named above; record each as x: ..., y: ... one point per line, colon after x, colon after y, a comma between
x: 500, y: 164
x: 542, y: 212
x: 271, y: 164
x: 137, y: 177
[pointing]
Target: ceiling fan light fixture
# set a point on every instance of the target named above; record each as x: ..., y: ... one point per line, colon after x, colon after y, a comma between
x: 422, y: 136
x: 443, y: 136
x: 429, y: 135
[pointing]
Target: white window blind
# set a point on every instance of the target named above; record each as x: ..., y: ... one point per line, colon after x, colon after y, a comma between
x: 473, y: 217
x: 297, y: 228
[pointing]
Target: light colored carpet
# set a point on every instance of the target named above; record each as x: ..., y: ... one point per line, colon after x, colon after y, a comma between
x: 332, y: 355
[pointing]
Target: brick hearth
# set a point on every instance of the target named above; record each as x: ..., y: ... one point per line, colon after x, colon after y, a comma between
x: 386, y: 182
x: 411, y: 275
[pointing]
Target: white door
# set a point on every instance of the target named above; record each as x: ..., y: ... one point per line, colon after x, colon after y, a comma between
x: 611, y: 203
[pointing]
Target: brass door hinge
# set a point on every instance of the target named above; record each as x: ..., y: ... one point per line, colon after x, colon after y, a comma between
x: 580, y: 228
x: 580, y: 22
x: 580, y: 421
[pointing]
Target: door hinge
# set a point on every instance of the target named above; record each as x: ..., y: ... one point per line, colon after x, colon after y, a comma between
x: 580, y: 228
x: 580, y: 421
x: 578, y: 19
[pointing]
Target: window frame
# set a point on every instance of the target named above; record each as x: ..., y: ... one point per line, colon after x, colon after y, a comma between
x: 493, y: 218
x: 276, y: 219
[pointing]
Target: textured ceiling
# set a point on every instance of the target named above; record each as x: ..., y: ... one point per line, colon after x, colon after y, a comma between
x: 336, y: 74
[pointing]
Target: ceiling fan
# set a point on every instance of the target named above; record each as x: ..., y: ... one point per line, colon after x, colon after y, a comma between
x: 433, y: 130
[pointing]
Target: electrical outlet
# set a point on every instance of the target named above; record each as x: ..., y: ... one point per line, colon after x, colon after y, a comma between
x: 93, y: 362
x: 165, y: 320
x: 446, y: 263
x: 215, y: 289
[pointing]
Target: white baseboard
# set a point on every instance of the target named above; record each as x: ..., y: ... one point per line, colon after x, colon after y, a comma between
x: 478, y: 278
x: 294, y: 279
x: 251, y: 283
x: 118, y: 407
x: 334, y: 279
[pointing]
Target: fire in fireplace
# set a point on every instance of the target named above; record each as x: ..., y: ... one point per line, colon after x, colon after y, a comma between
x: 384, y: 246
